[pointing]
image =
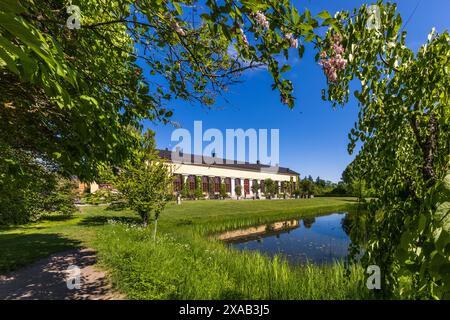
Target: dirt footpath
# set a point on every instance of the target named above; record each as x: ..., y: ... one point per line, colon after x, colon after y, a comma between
x: 57, y: 278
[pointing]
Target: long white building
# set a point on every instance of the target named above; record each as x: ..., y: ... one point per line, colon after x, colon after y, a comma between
x: 214, y: 171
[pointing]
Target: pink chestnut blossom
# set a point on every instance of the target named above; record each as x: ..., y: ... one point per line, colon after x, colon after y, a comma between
x: 178, y: 29
x: 293, y: 41
x: 243, y: 37
x: 338, y: 49
x: 261, y: 19
x: 335, y: 62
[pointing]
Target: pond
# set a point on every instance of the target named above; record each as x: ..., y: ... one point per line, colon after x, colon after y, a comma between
x: 320, y: 240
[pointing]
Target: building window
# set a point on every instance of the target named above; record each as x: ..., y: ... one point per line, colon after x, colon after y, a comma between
x: 262, y: 186
x: 177, y: 183
x: 227, y: 184
x: 237, y: 182
x: 246, y: 186
x: 191, y: 183
x: 217, y: 184
x: 205, y: 184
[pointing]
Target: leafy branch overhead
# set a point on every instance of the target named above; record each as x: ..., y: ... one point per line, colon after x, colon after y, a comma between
x: 126, y: 63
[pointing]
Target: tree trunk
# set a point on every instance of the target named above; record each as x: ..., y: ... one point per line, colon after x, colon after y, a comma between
x: 145, y: 220
x: 428, y: 147
x: 154, y: 231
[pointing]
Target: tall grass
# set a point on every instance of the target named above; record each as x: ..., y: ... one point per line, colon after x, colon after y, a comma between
x: 186, y: 265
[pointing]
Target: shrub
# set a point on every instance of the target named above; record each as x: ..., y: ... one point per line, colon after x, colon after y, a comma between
x: 198, y: 188
x: 31, y: 187
x: 223, y: 191
x: 238, y: 190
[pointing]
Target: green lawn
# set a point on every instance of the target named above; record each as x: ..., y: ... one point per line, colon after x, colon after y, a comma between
x: 185, y: 262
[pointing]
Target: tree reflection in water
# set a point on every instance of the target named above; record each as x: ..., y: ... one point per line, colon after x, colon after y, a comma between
x: 308, y: 222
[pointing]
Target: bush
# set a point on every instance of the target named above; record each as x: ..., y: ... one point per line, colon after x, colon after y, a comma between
x: 31, y: 187
x: 101, y: 196
x: 223, y: 191
x: 198, y: 194
x: 238, y: 190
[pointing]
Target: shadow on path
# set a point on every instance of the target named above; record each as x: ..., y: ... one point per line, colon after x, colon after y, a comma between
x: 47, y: 279
x: 19, y: 249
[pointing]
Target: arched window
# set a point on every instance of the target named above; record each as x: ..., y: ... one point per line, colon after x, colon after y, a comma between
x: 246, y: 186
x: 227, y: 184
x: 177, y: 183
x: 205, y: 184
x: 217, y: 184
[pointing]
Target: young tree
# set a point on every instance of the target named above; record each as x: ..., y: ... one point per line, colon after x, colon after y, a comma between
x: 297, y: 182
x: 255, y: 188
x: 198, y: 187
x: 284, y: 187
x: 270, y: 188
x: 185, y: 192
x: 306, y: 187
x: 146, y: 182
x: 291, y: 186
x: 223, y: 190
x: 238, y: 191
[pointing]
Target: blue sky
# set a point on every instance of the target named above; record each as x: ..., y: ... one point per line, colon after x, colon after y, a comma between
x: 313, y: 136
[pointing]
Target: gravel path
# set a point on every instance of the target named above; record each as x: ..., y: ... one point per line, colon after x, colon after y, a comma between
x: 50, y: 279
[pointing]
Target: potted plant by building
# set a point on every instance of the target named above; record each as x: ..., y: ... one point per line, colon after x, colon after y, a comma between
x: 255, y: 189
x: 238, y: 191
x: 198, y: 188
x: 291, y: 186
x: 185, y: 194
x: 223, y: 191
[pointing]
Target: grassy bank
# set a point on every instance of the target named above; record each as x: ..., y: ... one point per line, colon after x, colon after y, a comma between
x: 185, y: 263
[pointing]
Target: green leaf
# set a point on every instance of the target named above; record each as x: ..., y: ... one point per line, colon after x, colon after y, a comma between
x: 286, y: 68
x: 178, y: 8
x: 324, y: 15
x: 309, y: 37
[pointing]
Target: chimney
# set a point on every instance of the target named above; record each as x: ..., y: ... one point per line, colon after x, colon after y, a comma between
x: 257, y: 162
x: 213, y: 154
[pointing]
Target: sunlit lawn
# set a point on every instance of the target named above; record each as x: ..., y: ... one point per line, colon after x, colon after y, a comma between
x: 186, y: 263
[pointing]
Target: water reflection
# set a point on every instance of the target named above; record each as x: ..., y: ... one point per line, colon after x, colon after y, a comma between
x: 321, y: 239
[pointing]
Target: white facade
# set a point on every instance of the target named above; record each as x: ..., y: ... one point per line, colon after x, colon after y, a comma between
x: 245, y: 176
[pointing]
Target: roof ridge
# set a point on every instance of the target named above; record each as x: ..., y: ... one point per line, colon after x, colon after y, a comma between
x: 167, y: 154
